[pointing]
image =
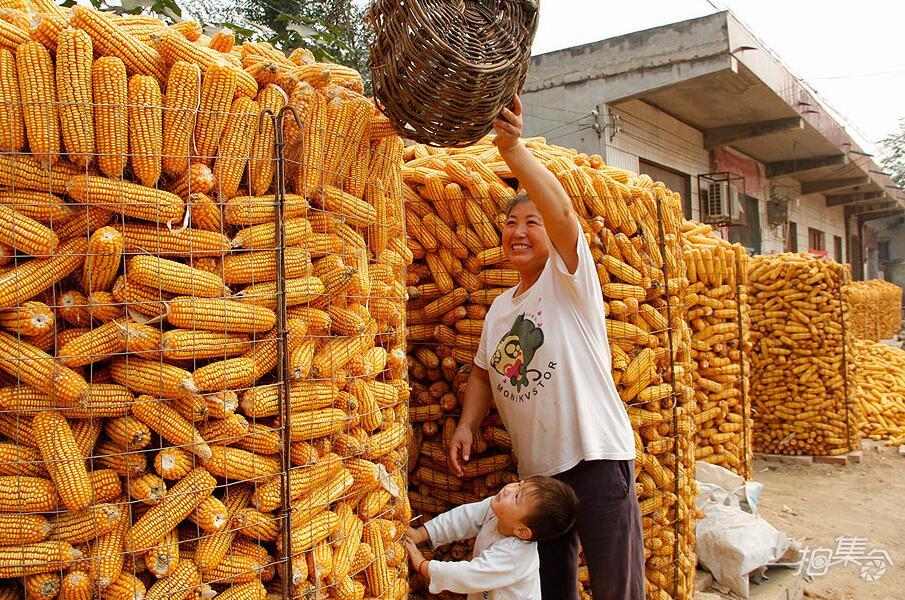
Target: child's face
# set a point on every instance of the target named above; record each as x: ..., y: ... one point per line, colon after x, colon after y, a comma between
x: 512, y: 505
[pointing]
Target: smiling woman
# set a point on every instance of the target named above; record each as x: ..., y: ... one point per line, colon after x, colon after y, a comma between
x: 544, y: 360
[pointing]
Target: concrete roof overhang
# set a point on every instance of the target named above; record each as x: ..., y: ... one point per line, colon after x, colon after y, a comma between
x: 715, y: 75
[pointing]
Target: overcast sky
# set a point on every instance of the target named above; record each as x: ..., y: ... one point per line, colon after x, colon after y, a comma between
x: 850, y: 52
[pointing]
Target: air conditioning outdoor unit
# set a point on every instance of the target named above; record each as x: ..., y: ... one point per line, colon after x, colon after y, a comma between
x: 722, y: 204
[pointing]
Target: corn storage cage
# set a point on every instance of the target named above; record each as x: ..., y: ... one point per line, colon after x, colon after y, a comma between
x: 716, y: 305
x: 875, y: 309
x: 880, y: 386
x: 203, y: 384
x: 802, y: 388
x: 455, y: 203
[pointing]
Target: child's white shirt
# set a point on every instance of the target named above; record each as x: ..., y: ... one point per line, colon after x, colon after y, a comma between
x: 502, y: 568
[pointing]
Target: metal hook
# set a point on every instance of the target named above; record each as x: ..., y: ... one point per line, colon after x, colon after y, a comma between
x: 261, y: 116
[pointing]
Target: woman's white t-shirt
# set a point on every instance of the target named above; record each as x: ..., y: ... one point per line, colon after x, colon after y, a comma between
x: 548, y: 359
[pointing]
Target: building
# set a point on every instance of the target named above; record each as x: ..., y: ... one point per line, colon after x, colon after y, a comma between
x: 705, y: 107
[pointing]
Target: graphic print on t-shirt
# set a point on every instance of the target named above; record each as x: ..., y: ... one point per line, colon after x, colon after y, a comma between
x: 516, y: 350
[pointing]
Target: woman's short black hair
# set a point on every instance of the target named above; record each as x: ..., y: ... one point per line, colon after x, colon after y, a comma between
x: 515, y: 201
x: 554, y: 506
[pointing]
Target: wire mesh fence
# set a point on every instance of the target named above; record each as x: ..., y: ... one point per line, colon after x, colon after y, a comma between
x: 717, y: 313
x: 203, y: 368
x: 802, y: 363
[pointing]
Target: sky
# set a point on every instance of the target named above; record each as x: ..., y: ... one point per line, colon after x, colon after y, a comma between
x: 850, y: 52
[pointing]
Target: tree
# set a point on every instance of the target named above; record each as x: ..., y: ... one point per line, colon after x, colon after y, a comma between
x: 893, y: 147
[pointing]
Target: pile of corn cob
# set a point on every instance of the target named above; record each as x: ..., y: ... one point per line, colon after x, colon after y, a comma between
x: 875, y: 309
x: 139, y: 403
x: 716, y: 303
x: 455, y: 199
x: 880, y: 380
x: 803, y: 395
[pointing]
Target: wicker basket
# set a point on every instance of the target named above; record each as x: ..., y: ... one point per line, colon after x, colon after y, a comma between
x: 443, y: 69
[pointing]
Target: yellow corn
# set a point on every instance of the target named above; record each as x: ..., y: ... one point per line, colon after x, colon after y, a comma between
x: 218, y: 86
x: 180, y: 109
x: 12, y: 119
x: 111, y: 40
x: 73, y: 80
x: 129, y: 199
x: 235, y: 146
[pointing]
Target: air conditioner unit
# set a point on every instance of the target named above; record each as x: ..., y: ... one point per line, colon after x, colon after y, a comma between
x: 722, y: 204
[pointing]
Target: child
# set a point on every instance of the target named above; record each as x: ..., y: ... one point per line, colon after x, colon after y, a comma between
x: 508, y: 527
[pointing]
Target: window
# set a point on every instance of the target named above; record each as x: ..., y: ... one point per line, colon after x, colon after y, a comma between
x: 748, y: 235
x: 792, y: 237
x: 672, y: 179
x: 883, y: 250
x: 816, y: 239
x: 837, y: 248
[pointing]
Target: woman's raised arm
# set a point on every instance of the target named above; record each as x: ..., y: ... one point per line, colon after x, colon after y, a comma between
x: 542, y: 186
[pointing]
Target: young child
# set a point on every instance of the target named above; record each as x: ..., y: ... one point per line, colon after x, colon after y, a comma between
x: 508, y: 527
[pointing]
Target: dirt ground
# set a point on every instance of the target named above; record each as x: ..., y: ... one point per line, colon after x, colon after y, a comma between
x: 815, y: 504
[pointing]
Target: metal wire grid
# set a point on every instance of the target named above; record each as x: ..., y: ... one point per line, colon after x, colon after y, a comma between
x: 69, y: 307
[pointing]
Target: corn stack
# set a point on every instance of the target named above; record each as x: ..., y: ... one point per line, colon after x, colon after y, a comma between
x: 875, y: 307
x: 717, y: 312
x: 880, y: 381
x: 455, y: 200
x: 801, y: 362
x: 140, y: 415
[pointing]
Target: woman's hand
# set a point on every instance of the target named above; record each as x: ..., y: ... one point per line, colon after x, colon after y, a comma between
x: 508, y: 126
x: 415, y: 557
x: 460, y: 449
x: 418, y: 535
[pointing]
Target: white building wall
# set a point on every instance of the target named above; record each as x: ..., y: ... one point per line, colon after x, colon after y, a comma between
x: 639, y: 130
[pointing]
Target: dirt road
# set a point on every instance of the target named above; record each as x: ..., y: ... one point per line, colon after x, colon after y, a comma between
x: 816, y: 504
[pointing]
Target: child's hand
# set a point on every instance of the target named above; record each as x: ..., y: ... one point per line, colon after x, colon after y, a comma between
x: 417, y: 535
x: 508, y: 126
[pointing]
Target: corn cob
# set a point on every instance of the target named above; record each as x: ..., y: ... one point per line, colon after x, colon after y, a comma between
x: 182, y: 583
x: 179, y: 502
x: 154, y: 378
x: 186, y: 344
x: 73, y: 80
x: 130, y: 199
x: 161, y: 241
x: 32, y: 318
x: 261, y: 163
x: 171, y: 426
x: 23, y: 529
x: 12, y: 120
x: 65, y: 463
x: 235, y: 146
x: 174, y: 277
x: 219, y: 315
x: 181, y: 106
x: 195, y: 179
x: 261, y: 266
x: 255, y: 210
x: 235, y: 464
x: 111, y: 91
x: 38, y: 93
x: 80, y: 526
x: 218, y: 86
x: 111, y: 40
x: 145, y: 128
x: 125, y: 586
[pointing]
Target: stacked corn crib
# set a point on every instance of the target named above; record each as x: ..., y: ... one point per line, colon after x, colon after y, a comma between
x: 187, y: 406
x: 801, y: 361
x: 880, y: 381
x: 875, y: 309
x: 717, y: 312
x: 455, y: 204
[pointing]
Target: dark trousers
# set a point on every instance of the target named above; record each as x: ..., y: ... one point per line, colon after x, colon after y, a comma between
x: 609, y: 529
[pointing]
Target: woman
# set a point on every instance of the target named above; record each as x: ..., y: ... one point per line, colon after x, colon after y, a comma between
x: 544, y: 359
